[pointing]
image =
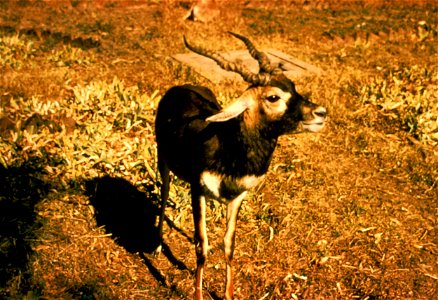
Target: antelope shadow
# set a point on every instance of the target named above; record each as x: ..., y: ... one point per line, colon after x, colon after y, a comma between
x: 125, y: 212
x: 130, y: 216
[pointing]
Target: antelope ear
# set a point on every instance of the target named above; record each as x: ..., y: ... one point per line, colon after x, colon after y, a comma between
x: 231, y: 111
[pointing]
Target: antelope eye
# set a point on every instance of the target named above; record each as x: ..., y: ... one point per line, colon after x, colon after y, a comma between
x: 272, y: 98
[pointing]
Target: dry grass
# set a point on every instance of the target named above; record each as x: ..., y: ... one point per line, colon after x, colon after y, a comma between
x: 350, y: 213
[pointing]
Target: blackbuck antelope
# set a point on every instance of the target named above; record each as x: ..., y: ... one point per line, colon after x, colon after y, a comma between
x: 224, y: 152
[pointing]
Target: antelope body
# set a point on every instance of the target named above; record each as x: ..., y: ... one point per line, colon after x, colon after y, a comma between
x: 224, y: 152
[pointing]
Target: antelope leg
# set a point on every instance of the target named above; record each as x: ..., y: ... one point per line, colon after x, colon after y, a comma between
x: 229, y: 240
x: 201, y: 240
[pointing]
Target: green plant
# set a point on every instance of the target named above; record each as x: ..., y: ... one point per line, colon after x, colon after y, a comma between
x: 112, y: 132
x: 15, y: 50
x: 410, y: 94
x: 69, y: 56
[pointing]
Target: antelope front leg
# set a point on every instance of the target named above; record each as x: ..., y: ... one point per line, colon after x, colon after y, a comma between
x: 229, y: 240
x: 201, y: 240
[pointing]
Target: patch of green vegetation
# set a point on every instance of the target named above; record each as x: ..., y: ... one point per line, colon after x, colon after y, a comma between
x: 409, y: 94
x: 15, y: 50
x: 94, y: 125
x: 69, y: 56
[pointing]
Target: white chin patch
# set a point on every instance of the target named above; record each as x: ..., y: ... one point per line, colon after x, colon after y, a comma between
x: 313, y: 127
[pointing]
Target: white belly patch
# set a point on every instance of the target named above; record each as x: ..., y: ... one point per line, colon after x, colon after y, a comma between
x: 212, y: 181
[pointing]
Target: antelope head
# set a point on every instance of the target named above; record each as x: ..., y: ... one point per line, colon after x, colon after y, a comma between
x: 271, y: 98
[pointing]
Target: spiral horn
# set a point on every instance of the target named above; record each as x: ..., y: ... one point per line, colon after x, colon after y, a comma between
x: 248, y: 76
x: 261, y: 57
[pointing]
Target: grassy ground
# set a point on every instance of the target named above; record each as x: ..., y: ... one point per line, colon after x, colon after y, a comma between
x: 349, y: 213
